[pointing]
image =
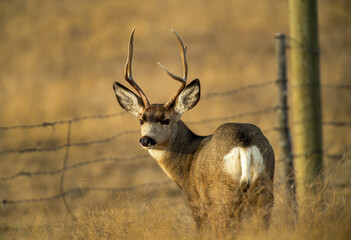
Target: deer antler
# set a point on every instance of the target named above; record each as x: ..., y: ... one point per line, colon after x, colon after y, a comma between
x: 128, y: 71
x: 183, y: 79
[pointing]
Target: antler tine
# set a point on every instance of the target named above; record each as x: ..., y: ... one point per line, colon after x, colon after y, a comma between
x: 128, y: 71
x: 178, y: 78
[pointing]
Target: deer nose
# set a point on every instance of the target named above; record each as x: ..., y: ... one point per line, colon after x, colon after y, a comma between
x: 147, y: 141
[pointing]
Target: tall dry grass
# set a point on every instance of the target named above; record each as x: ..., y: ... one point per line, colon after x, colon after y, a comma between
x: 58, y: 61
x: 325, y: 215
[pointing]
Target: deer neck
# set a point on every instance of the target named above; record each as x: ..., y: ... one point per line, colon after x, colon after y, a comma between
x: 177, y: 158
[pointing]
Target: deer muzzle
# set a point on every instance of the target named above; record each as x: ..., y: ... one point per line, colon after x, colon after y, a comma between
x: 147, y: 141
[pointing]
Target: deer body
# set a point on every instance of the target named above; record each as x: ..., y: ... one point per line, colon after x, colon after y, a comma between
x: 222, y: 174
x: 209, y: 170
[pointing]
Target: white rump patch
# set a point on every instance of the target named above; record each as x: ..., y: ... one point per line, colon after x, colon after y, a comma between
x: 244, y: 164
x: 232, y: 163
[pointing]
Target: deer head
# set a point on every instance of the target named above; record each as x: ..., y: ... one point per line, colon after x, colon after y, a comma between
x: 158, y: 122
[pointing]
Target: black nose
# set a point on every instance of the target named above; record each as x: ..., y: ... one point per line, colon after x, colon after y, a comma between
x: 147, y: 141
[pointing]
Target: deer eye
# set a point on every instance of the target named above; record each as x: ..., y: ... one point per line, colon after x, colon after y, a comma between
x: 141, y: 121
x: 165, y: 122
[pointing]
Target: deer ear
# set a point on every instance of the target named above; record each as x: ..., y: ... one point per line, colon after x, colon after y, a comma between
x: 128, y: 100
x: 188, y: 98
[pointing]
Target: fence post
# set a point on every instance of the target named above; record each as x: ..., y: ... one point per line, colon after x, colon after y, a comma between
x: 282, y: 111
x: 306, y: 100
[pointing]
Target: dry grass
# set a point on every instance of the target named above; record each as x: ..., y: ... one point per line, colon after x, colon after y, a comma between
x: 326, y: 215
x: 58, y: 61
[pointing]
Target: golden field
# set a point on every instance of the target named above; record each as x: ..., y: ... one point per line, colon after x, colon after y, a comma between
x: 58, y: 60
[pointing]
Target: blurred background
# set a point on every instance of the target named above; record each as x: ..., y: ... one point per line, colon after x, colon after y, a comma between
x: 58, y: 60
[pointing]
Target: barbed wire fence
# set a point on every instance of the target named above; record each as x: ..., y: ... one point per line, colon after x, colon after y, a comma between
x: 281, y: 108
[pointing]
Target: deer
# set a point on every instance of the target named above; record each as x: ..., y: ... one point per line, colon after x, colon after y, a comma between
x: 222, y: 175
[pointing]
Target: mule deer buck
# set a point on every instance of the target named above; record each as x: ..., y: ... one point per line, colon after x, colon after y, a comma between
x: 221, y: 175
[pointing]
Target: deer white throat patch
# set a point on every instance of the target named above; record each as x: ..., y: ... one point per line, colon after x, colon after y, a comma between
x: 159, y: 155
x: 244, y: 164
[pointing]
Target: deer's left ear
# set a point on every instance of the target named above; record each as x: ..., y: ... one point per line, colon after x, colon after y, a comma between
x: 188, y: 98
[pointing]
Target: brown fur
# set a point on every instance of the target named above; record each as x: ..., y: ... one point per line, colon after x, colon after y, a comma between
x: 196, y: 164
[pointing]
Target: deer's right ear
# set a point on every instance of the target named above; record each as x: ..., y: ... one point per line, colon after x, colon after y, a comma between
x: 128, y: 100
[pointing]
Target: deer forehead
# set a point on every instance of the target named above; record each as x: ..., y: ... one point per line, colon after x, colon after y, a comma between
x: 156, y: 113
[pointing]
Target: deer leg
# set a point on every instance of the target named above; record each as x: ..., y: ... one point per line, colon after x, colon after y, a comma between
x: 199, y: 220
x: 225, y: 220
x: 198, y: 213
x: 265, y: 206
x: 262, y: 199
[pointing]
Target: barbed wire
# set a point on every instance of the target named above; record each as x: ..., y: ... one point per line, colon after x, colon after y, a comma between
x: 335, y: 156
x: 245, y: 114
x: 237, y: 90
x: 272, y: 129
x: 126, y: 132
x: 206, y: 96
x: 80, y: 191
x: 73, y: 166
x: 68, y: 144
x: 78, y: 144
x: 124, y: 160
x: 84, y: 190
x: 77, y: 119
x: 337, y: 86
x: 111, y: 115
x: 309, y: 154
x: 337, y: 123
